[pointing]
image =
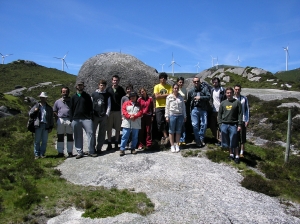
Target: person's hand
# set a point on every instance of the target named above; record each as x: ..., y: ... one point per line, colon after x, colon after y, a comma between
x: 239, y: 128
x: 197, y: 98
x: 167, y: 119
x: 246, y: 124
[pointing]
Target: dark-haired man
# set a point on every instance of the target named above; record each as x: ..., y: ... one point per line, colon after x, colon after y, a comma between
x: 161, y: 91
x: 198, y: 99
x: 101, y: 105
x: 246, y: 115
x: 217, y: 96
x: 230, y: 119
x: 63, y: 124
x: 114, y: 120
x: 81, y: 114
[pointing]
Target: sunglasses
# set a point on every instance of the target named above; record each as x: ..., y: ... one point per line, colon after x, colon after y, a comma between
x: 196, y: 81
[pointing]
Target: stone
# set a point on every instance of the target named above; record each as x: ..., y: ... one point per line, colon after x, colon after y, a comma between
x: 128, y: 68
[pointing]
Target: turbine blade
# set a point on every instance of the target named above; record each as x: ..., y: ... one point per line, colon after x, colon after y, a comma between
x: 65, y: 63
x: 177, y: 64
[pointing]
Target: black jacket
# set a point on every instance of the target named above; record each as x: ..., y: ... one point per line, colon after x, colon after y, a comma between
x: 81, y: 107
x: 116, y: 97
x: 203, y: 103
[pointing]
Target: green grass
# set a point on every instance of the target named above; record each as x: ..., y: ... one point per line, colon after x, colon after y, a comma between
x: 32, y: 190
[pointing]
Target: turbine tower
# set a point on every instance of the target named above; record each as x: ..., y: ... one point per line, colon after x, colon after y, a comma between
x: 63, y: 62
x: 217, y: 64
x: 212, y: 61
x: 286, y: 49
x: 197, y: 65
x: 172, y: 63
x: 238, y: 61
x: 162, y: 67
x: 4, y: 56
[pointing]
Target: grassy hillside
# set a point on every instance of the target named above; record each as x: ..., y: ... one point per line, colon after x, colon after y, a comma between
x: 292, y: 76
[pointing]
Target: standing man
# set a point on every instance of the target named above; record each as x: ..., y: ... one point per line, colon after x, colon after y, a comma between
x: 217, y: 96
x: 198, y: 100
x: 43, y: 115
x: 61, y: 113
x: 81, y: 113
x: 102, y: 106
x: 246, y: 116
x: 114, y: 120
x: 230, y: 119
x: 161, y: 91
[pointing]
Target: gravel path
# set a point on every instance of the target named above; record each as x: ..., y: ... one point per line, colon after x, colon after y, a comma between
x: 184, y: 190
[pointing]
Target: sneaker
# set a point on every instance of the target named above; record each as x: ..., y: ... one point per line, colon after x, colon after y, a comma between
x: 230, y: 157
x: 116, y: 146
x: 70, y: 155
x: 200, y: 145
x: 173, y: 148
x: 133, y: 151
x: 79, y: 156
x: 85, y: 153
x: 203, y: 143
x: 36, y: 157
x: 167, y: 141
x: 237, y: 160
x: 92, y: 155
x: 60, y: 155
x: 241, y: 156
x: 122, y: 152
x: 177, y: 148
x: 109, y: 146
x: 182, y: 143
x: 43, y: 156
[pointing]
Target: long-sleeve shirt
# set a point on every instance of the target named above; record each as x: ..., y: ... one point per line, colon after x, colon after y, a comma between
x: 230, y: 112
x: 81, y: 106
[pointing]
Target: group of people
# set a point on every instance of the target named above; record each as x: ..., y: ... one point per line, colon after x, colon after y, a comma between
x: 225, y: 111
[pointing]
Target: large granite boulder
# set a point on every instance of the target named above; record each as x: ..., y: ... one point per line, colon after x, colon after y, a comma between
x: 130, y: 69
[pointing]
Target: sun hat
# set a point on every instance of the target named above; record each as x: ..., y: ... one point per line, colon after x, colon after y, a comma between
x: 132, y: 94
x: 79, y: 82
x: 43, y: 94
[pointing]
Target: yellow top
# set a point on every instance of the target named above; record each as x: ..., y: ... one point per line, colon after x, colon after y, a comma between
x: 162, y: 89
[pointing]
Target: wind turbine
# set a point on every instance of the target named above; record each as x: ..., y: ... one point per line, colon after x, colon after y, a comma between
x: 172, y: 63
x: 217, y: 64
x: 63, y: 62
x: 162, y: 67
x: 212, y: 61
x: 238, y: 61
x: 4, y: 56
x: 286, y: 49
x: 197, y: 65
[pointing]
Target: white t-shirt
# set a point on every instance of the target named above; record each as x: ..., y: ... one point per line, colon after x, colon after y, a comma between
x: 216, y: 99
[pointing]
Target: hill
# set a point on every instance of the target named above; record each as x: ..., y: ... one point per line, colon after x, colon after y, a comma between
x: 291, y: 76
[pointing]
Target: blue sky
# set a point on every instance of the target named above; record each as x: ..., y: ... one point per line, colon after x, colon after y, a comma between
x: 193, y: 30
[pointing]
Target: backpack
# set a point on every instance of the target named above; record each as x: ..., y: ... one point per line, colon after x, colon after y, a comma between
x: 30, y: 125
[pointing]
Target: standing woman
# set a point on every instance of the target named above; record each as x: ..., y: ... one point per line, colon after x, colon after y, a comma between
x: 131, y: 122
x: 183, y: 93
x: 147, y: 106
x: 175, y: 115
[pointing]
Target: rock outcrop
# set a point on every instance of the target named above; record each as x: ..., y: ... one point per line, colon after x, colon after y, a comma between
x: 128, y: 68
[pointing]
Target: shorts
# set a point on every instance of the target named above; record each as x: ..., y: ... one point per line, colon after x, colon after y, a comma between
x: 175, y: 124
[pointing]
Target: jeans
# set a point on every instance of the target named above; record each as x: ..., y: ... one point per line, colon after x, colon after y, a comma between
x: 40, y: 140
x: 229, y: 135
x: 199, y: 123
x: 125, y: 137
x: 87, y: 125
x: 175, y: 124
x: 102, y: 123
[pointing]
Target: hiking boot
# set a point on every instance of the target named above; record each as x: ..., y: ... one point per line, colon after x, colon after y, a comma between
x: 36, y: 157
x: 116, y: 146
x: 85, y: 153
x: 70, y: 155
x: 43, y: 156
x: 177, y: 148
x: 237, y: 160
x: 60, y: 155
x: 133, y: 151
x: 92, y: 155
x: 203, y: 143
x: 241, y: 156
x: 200, y: 145
x: 173, y: 148
x: 109, y: 146
x: 122, y: 152
x: 79, y: 156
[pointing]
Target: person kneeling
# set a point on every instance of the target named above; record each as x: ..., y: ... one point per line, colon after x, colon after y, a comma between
x: 131, y: 122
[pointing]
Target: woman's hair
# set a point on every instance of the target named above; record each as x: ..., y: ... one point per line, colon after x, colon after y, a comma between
x: 180, y: 78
